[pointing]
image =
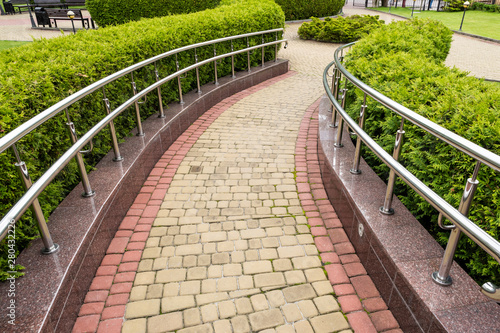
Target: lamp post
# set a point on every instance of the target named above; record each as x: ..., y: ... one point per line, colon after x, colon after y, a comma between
x: 71, y: 15
x: 413, y: 8
x: 466, y: 4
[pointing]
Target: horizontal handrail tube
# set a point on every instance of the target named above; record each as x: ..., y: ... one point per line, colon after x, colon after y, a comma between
x: 26, y: 200
x: 478, y: 235
x: 475, y: 151
x: 15, y: 135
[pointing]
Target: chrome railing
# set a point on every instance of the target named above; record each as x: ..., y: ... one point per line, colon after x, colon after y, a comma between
x: 33, y: 190
x: 458, y: 217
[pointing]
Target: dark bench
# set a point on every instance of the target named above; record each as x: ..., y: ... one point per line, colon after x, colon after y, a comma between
x: 77, y: 3
x: 11, y: 6
x: 62, y: 15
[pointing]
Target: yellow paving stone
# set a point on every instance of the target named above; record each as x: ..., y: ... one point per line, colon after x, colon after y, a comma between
x: 227, y: 309
x: 154, y: 291
x: 259, y: 302
x: 322, y: 287
x: 209, y: 313
x: 291, y: 312
x: 243, y: 306
x: 331, y: 322
x: 326, y: 304
x: 175, y: 303
x: 192, y: 317
x: 307, y: 308
x: 266, y: 319
x: 171, y: 275
x: 134, y: 326
x: 222, y: 326
x: 142, y: 309
x: 211, y: 298
x: 303, y: 327
x: 240, y: 324
x: 205, y: 328
x: 138, y: 293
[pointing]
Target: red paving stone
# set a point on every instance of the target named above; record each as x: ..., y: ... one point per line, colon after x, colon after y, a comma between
x: 104, y: 305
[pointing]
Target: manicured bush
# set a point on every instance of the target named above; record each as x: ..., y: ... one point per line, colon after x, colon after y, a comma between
x: 304, y: 9
x: 404, y: 61
x: 38, y: 75
x: 340, y: 29
x: 485, y: 7
x: 113, y: 12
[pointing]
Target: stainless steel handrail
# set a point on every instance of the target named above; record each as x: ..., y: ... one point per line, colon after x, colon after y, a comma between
x: 464, y: 145
x: 15, y: 135
x: 9, y: 140
x: 457, y: 217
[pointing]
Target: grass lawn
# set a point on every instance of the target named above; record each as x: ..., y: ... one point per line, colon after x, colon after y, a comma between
x: 476, y: 22
x: 6, y: 44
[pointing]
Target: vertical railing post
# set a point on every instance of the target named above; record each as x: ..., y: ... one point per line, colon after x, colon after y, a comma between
x: 140, y: 132
x: 232, y: 61
x: 49, y: 245
x: 338, y: 76
x: 118, y: 157
x: 160, y: 100
x: 248, y: 55
x: 88, y: 192
x: 386, y: 209
x: 215, y: 67
x: 442, y: 277
x: 197, y: 73
x: 340, y: 127
x: 181, y: 100
x: 262, y: 48
x: 276, y: 48
x: 357, y: 154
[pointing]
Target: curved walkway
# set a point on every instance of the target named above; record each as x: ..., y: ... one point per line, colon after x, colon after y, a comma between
x: 233, y: 231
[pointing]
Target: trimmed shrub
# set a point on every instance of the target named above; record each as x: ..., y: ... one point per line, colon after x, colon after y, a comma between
x: 113, y: 12
x: 38, y: 75
x: 340, y: 29
x: 485, y: 7
x: 304, y: 9
x: 404, y: 61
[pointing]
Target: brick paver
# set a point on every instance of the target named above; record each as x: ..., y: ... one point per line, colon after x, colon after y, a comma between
x: 233, y: 230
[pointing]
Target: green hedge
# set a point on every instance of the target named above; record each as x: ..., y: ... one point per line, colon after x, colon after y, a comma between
x: 113, y: 12
x: 340, y: 29
x: 404, y: 61
x: 304, y: 9
x: 38, y: 75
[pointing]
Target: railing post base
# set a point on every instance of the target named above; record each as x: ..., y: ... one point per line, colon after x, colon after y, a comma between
x: 89, y: 194
x: 442, y: 282
x: 51, y: 250
x: 384, y: 211
x: 355, y: 172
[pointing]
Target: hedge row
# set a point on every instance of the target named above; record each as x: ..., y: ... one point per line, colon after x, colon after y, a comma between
x: 339, y: 29
x: 38, y: 75
x: 304, y: 9
x: 113, y: 12
x: 404, y: 61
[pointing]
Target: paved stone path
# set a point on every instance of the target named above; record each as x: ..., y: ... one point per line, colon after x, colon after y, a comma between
x: 233, y: 231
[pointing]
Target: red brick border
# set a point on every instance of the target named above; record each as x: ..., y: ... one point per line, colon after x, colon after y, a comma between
x: 358, y: 297
x: 104, y: 306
